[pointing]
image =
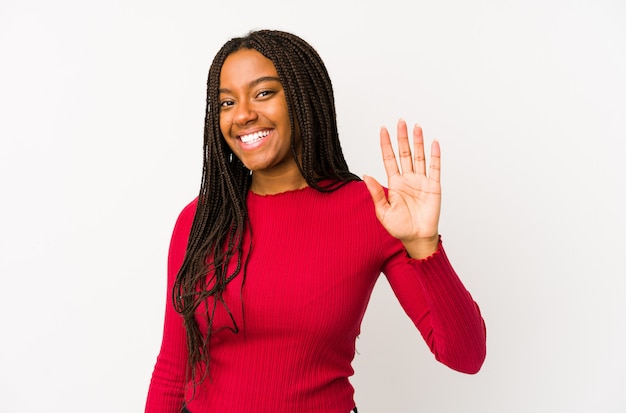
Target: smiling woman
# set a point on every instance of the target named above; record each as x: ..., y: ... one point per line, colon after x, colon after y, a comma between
x: 254, y: 120
x: 271, y: 268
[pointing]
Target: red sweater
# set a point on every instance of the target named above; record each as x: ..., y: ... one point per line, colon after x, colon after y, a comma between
x: 315, y: 259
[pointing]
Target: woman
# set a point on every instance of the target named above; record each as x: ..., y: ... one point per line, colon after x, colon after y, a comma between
x: 272, y: 266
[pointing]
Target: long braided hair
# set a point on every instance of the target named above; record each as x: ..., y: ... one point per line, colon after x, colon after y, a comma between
x: 221, y: 217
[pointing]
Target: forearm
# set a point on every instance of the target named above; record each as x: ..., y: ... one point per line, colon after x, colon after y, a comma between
x: 457, y: 335
x: 442, y: 309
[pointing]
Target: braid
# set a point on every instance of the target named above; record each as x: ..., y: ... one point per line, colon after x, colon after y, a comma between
x: 221, y: 218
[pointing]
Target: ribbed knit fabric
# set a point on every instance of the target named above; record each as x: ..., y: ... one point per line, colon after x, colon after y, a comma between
x: 314, y: 261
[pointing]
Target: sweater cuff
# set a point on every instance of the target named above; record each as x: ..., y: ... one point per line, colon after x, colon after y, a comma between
x: 434, y: 256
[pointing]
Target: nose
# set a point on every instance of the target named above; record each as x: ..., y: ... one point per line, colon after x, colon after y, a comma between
x: 244, y: 113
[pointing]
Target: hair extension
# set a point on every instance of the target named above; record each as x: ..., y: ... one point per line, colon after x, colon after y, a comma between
x: 221, y: 217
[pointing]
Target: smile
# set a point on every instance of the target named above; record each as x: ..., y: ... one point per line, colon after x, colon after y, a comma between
x: 254, y: 137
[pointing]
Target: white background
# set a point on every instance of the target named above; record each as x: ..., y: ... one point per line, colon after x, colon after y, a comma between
x: 101, y: 115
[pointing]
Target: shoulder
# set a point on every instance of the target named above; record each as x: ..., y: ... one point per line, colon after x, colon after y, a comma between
x: 356, y: 213
x: 185, y: 219
x: 189, y: 210
x: 356, y: 193
x: 353, y: 189
x: 356, y: 203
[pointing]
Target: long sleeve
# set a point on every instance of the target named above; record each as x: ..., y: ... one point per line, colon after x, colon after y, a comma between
x: 312, y: 260
x: 444, y: 312
x: 166, y: 392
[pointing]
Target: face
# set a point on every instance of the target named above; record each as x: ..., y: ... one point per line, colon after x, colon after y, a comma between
x: 254, y: 119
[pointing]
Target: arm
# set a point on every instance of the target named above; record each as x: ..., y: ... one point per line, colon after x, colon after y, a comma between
x: 166, y: 392
x: 424, y: 281
x: 444, y: 312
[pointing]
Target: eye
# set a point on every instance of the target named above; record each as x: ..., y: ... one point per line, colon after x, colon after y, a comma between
x: 226, y: 103
x: 265, y: 93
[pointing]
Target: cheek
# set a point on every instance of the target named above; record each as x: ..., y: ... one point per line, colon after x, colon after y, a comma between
x: 224, y: 129
x: 224, y: 125
x: 282, y: 113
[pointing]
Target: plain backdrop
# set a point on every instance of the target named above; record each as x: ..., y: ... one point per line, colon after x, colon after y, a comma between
x: 101, y: 118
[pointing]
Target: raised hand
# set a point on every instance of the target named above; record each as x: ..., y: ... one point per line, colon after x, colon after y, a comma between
x: 410, y: 210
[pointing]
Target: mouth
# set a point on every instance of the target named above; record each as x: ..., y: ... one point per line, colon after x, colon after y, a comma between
x: 252, y: 138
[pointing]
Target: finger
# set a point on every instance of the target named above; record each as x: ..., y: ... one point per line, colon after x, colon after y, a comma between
x: 389, y: 158
x: 418, y: 147
x: 435, y: 161
x: 378, y: 195
x: 404, y: 149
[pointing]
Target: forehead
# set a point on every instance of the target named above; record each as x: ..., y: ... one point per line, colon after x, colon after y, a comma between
x: 244, y: 66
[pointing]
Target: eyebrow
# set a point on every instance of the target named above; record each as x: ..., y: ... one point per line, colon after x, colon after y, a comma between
x: 255, y: 82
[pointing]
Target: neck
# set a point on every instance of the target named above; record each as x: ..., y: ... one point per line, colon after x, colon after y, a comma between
x: 267, y: 184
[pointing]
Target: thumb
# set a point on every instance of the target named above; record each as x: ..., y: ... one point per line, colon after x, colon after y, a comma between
x: 378, y: 195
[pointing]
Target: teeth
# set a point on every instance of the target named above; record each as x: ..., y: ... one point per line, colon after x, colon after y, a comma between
x: 253, y: 137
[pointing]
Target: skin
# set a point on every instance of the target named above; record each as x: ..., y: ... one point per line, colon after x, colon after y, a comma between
x: 252, y: 100
x: 410, y: 211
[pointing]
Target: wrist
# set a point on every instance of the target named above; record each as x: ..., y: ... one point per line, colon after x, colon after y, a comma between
x: 421, y: 248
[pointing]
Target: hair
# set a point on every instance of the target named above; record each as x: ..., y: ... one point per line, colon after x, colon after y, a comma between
x: 221, y: 217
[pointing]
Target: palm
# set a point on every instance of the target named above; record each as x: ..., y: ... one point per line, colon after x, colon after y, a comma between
x: 410, y: 209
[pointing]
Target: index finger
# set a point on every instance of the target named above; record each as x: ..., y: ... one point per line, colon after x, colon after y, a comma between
x: 389, y: 157
x: 404, y: 149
